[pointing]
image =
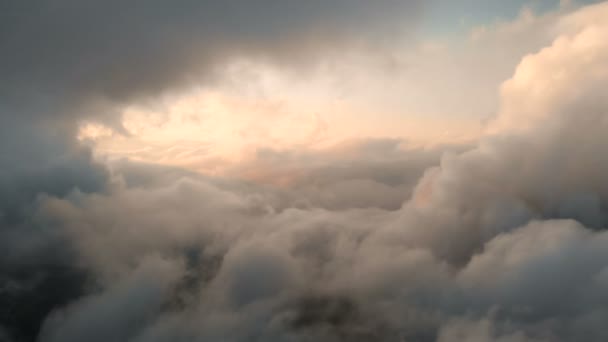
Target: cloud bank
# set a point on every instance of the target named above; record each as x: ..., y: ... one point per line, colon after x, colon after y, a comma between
x: 502, y: 241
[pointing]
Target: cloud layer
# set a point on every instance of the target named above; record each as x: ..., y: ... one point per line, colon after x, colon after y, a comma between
x: 502, y: 241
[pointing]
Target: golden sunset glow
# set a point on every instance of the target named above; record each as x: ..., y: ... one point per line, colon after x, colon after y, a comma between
x: 207, y: 130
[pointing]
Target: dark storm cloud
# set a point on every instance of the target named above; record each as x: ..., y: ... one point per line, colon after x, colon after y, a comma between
x: 123, y: 48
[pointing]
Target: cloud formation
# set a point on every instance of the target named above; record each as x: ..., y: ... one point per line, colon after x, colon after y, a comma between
x: 120, y: 49
x: 503, y: 241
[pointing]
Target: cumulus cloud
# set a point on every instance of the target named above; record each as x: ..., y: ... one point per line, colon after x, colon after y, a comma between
x: 503, y: 241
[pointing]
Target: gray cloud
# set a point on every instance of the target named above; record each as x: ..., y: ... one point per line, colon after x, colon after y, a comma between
x: 118, y: 49
x: 365, y: 173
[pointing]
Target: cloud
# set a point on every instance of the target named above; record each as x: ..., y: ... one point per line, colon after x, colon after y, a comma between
x: 403, y: 89
x: 67, y: 62
x: 503, y: 241
x: 119, y: 49
x: 118, y: 314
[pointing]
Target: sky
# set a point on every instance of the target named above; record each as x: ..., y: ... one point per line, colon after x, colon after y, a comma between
x: 290, y: 171
x: 454, y: 18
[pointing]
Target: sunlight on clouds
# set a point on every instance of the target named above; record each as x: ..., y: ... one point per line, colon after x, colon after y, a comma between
x: 257, y: 107
x: 94, y: 132
x: 426, y: 93
x: 206, y: 126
